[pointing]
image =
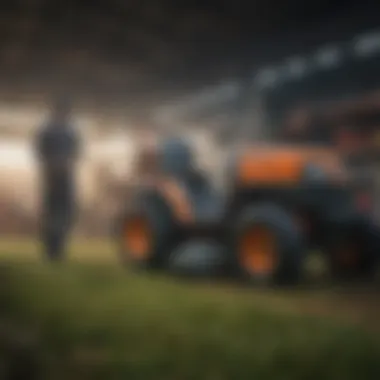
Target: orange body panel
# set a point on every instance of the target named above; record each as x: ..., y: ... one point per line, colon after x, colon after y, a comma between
x: 283, y: 165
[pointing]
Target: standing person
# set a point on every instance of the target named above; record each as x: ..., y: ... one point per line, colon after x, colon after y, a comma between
x: 57, y: 146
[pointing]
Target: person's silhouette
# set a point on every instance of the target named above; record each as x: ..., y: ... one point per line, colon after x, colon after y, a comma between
x: 57, y: 148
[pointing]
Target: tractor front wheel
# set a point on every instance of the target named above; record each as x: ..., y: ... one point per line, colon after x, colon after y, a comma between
x: 146, y: 233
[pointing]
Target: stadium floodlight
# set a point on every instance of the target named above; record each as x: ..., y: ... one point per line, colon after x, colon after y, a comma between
x: 267, y: 78
x: 295, y: 67
x: 367, y: 45
x: 329, y: 57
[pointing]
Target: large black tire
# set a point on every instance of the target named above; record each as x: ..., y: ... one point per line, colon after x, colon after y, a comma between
x: 163, y: 232
x: 362, y: 240
x: 289, y: 248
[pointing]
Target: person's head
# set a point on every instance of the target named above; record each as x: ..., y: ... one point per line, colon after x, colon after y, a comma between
x: 61, y: 108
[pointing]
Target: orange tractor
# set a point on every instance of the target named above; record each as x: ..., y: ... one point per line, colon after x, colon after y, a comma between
x: 279, y: 203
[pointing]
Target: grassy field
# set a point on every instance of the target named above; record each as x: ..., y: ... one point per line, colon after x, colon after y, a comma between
x: 91, y: 319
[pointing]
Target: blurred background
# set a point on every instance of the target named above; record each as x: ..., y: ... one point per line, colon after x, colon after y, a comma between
x: 217, y: 71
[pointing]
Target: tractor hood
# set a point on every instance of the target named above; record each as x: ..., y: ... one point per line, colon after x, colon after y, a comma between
x: 286, y: 164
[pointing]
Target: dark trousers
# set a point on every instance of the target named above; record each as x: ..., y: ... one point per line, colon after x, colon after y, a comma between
x: 57, y: 217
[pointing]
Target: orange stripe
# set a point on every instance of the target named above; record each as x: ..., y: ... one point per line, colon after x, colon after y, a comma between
x: 283, y: 165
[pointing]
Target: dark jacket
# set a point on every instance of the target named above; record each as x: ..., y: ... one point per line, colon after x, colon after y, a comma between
x: 57, y: 142
x: 57, y: 148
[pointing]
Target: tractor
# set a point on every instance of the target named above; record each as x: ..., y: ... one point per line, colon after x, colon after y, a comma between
x: 279, y: 203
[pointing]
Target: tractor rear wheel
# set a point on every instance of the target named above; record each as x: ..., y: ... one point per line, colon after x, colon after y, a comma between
x: 146, y: 233
x: 267, y: 246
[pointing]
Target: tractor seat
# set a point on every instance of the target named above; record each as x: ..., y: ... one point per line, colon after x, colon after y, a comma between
x: 207, y: 203
x: 177, y: 161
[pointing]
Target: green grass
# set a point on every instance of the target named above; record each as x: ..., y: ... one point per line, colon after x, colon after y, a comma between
x: 91, y: 319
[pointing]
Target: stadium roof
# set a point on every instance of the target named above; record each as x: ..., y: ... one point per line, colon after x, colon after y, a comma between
x: 142, y: 49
